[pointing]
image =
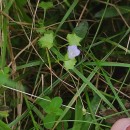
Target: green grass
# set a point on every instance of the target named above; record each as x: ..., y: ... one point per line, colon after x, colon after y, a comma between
x: 36, y: 82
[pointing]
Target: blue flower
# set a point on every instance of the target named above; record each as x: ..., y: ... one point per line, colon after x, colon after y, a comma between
x: 73, y: 51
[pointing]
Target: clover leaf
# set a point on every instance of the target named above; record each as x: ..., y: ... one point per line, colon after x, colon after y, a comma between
x: 56, y: 102
x: 51, y: 106
x: 44, y: 104
x: 49, y: 121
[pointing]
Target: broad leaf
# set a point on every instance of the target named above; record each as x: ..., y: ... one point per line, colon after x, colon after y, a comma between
x: 44, y: 103
x: 56, y: 102
x: 61, y: 125
x: 112, y: 12
x: 124, y: 9
x: 58, y: 111
x: 49, y: 121
x: 82, y: 29
x: 54, y: 106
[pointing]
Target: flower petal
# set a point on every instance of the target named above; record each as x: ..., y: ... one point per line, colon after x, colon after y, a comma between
x: 73, y: 51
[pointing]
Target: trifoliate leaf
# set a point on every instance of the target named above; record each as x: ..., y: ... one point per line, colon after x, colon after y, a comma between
x: 69, y: 64
x: 46, y: 5
x: 49, y: 121
x: 56, y: 102
x: 59, y: 112
x: 73, y: 39
x: 44, y: 104
x: 54, y: 106
x: 46, y: 41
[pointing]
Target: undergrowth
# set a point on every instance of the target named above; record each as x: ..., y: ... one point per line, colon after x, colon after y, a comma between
x: 64, y: 64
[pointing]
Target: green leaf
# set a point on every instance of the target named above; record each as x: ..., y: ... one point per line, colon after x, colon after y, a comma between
x: 21, y: 10
x: 6, y: 70
x: 4, y: 75
x: 66, y: 58
x: 124, y: 9
x: 56, y: 102
x: 46, y: 5
x: 4, y: 114
x: 94, y: 104
x: 22, y: 2
x: 46, y: 41
x: 41, y: 27
x: 73, y: 39
x: 84, y: 111
x: 3, y: 78
x: 59, y: 112
x: 82, y: 29
x: 51, y: 107
x: 112, y: 12
x: 4, y: 126
x: 61, y: 125
x: 4, y: 111
x: 69, y: 64
x: 49, y: 121
x: 65, y: 124
x: 54, y: 106
x: 41, y: 30
x: 44, y: 103
x: 4, y: 62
